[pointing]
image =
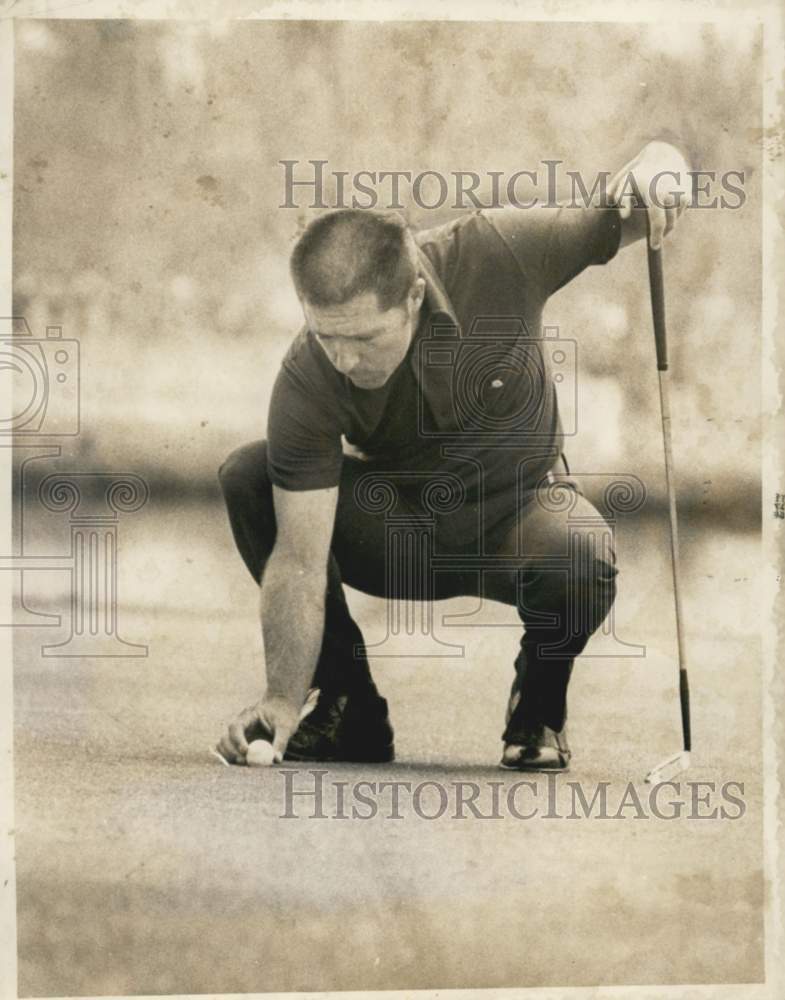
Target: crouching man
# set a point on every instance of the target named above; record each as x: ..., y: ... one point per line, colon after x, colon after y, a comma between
x: 357, y: 392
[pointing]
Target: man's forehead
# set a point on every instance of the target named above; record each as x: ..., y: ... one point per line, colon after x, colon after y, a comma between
x: 357, y: 315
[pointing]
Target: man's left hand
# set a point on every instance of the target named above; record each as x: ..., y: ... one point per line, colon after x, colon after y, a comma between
x: 657, y: 180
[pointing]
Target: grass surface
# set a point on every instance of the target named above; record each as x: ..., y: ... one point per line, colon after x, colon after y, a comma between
x: 144, y: 866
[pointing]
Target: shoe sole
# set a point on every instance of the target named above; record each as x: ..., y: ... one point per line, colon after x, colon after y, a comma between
x: 535, y: 768
x: 385, y: 756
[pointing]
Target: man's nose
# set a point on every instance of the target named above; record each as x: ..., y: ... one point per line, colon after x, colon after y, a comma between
x: 346, y: 359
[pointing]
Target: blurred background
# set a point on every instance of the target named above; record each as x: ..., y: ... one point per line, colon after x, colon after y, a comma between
x: 147, y: 218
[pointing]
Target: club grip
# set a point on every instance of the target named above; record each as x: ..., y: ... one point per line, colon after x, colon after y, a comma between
x: 658, y: 307
x: 684, y: 698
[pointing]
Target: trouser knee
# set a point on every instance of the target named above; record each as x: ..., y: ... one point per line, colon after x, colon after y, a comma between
x: 570, y: 600
x: 244, y: 471
x: 598, y: 587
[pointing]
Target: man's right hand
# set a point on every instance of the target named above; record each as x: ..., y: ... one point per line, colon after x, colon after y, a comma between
x: 295, y: 577
x: 271, y: 717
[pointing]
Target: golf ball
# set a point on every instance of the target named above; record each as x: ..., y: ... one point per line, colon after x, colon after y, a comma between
x: 260, y: 754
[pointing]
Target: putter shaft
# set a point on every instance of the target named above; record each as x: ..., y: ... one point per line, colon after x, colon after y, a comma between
x: 656, y: 287
x: 684, y: 688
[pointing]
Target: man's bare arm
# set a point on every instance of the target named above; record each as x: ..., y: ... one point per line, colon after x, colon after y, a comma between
x: 293, y: 590
x: 292, y: 615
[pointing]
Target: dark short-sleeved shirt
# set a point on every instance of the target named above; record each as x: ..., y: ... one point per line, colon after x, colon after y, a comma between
x: 475, y: 392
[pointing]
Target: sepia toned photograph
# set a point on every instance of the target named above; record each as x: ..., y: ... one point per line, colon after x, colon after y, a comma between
x: 390, y: 562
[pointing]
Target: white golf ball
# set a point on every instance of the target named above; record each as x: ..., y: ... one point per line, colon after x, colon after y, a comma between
x: 260, y: 754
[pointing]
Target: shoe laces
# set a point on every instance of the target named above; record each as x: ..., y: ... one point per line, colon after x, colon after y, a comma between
x: 324, y: 719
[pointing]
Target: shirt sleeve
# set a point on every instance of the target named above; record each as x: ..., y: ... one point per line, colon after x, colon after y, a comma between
x: 303, y: 437
x: 553, y: 245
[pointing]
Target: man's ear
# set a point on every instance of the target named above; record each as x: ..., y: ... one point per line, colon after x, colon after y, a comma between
x: 417, y: 294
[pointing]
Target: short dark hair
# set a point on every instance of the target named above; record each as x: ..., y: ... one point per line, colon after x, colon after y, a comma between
x: 350, y: 251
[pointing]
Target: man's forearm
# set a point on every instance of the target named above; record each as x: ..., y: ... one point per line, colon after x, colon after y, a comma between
x: 292, y: 616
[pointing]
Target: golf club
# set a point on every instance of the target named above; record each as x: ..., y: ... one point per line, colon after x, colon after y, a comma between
x: 678, y: 762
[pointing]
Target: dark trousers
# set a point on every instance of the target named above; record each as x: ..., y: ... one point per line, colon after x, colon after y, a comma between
x: 546, y: 551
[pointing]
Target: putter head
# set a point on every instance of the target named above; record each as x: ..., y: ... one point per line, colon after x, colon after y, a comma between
x: 668, y: 769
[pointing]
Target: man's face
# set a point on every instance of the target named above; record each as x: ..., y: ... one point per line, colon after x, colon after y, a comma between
x: 362, y: 341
